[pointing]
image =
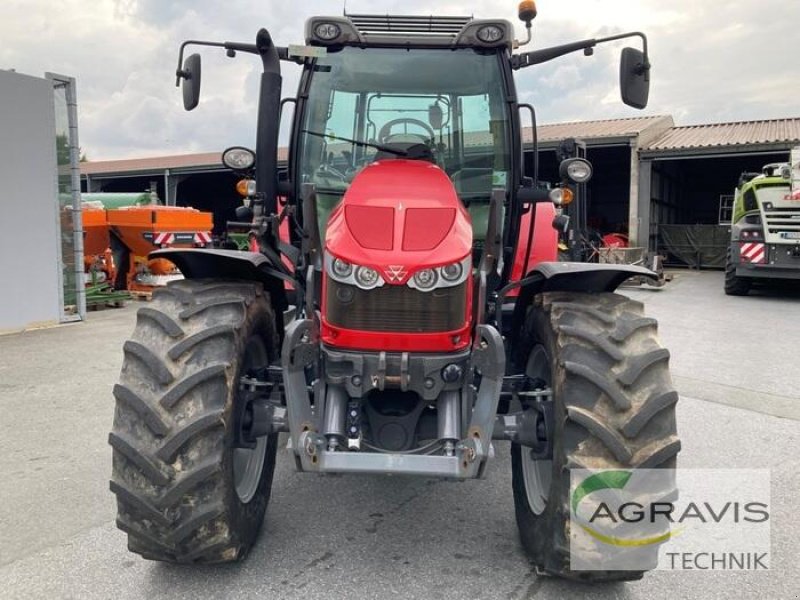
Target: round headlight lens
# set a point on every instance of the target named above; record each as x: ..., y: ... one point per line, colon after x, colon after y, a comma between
x: 366, y: 277
x: 579, y: 171
x: 576, y: 170
x: 327, y: 31
x: 452, y: 272
x: 489, y: 34
x: 425, y: 279
x: 238, y: 158
x: 341, y: 268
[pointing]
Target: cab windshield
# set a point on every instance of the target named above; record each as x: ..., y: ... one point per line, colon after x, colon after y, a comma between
x: 441, y: 105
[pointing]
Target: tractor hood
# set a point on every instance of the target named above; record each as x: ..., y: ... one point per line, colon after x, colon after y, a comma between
x: 398, y: 217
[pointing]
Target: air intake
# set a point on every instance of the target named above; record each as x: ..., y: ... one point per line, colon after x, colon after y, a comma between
x: 388, y: 24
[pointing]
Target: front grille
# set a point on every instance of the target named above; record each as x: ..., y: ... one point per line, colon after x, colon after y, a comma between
x: 397, y: 308
x: 408, y: 24
x: 779, y: 219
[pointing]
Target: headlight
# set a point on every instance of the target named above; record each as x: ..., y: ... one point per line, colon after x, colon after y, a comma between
x: 327, y: 31
x: 452, y: 272
x: 490, y: 34
x: 342, y: 271
x: 426, y: 279
x: 366, y: 278
x: 441, y: 277
x: 576, y: 170
x: 238, y: 158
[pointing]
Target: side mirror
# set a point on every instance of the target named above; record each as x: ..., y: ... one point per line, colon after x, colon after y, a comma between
x: 634, y: 78
x: 191, y: 81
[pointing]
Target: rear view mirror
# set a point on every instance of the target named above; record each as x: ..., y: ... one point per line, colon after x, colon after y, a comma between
x: 191, y: 81
x: 634, y: 78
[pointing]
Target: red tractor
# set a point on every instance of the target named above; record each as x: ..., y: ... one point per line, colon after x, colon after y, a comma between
x: 427, y: 314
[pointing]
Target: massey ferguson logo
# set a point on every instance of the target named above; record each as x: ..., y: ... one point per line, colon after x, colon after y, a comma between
x: 396, y: 273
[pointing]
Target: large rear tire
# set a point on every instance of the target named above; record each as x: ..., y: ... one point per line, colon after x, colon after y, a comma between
x: 614, y: 408
x: 184, y: 492
x: 735, y: 286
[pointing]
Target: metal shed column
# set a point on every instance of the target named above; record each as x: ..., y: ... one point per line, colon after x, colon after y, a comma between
x: 634, y: 216
x: 645, y: 201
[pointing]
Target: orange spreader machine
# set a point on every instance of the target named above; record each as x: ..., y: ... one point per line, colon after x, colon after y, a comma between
x: 98, y: 261
x: 135, y: 231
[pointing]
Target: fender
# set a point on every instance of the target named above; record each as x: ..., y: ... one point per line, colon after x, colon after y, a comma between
x: 543, y: 246
x: 199, y: 263
x: 566, y: 277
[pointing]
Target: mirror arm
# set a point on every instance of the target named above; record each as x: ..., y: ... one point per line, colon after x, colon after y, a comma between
x: 179, y: 72
x: 643, y: 68
x: 231, y: 47
x: 536, y: 57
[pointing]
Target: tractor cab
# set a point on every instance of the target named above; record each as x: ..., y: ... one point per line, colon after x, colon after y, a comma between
x: 442, y: 105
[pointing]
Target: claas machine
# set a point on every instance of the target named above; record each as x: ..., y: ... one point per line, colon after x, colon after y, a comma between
x: 765, y: 229
x: 428, y: 317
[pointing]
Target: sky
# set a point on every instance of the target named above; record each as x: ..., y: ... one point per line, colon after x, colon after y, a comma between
x: 713, y: 61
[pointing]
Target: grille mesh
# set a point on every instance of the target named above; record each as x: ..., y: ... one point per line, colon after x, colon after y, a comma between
x: 396, y: 308
x: 408, y: 24
x: 780, y: 219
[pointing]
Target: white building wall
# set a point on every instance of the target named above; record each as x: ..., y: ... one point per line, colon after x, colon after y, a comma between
x: 29, y: 270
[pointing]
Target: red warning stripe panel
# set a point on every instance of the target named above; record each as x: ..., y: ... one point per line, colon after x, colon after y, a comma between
x: 163, y: 238
x: 753, y: 252
x: 202, y: 237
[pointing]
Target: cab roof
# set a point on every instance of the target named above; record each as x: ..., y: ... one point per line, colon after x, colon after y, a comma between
x: 422, y: 31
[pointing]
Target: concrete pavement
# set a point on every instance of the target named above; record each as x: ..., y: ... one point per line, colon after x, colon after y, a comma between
x: 377, y: 537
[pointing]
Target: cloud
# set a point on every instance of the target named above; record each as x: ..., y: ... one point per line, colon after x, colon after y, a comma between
x: 712, y: 60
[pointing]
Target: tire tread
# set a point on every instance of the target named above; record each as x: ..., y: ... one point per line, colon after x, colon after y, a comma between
x: 172, y: 487
x: 613, y: 387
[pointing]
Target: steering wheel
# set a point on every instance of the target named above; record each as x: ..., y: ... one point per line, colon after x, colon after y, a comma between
x: 385, y: 133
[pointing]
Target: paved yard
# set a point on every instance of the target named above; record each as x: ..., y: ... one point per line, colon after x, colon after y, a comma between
x: 734, y: 361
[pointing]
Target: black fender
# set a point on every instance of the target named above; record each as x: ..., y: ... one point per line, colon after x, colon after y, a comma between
x: 202, y: 263
x: 566, y: 277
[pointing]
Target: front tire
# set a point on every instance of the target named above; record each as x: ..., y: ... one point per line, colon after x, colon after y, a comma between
x: 184, y: 493
x: 735, y: 286
x: 614, y: 408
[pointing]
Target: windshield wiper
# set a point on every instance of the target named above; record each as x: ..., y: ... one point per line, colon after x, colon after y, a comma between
x: 380, y: 147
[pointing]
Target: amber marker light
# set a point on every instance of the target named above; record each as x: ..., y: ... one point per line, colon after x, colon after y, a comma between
x: 527, y: 11
x: 242, y: 187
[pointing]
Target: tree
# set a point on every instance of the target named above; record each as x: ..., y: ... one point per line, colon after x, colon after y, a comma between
x: 62, y: 150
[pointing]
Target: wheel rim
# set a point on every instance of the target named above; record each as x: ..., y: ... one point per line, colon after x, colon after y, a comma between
x: 248, y: 463
x: 537, y: 474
